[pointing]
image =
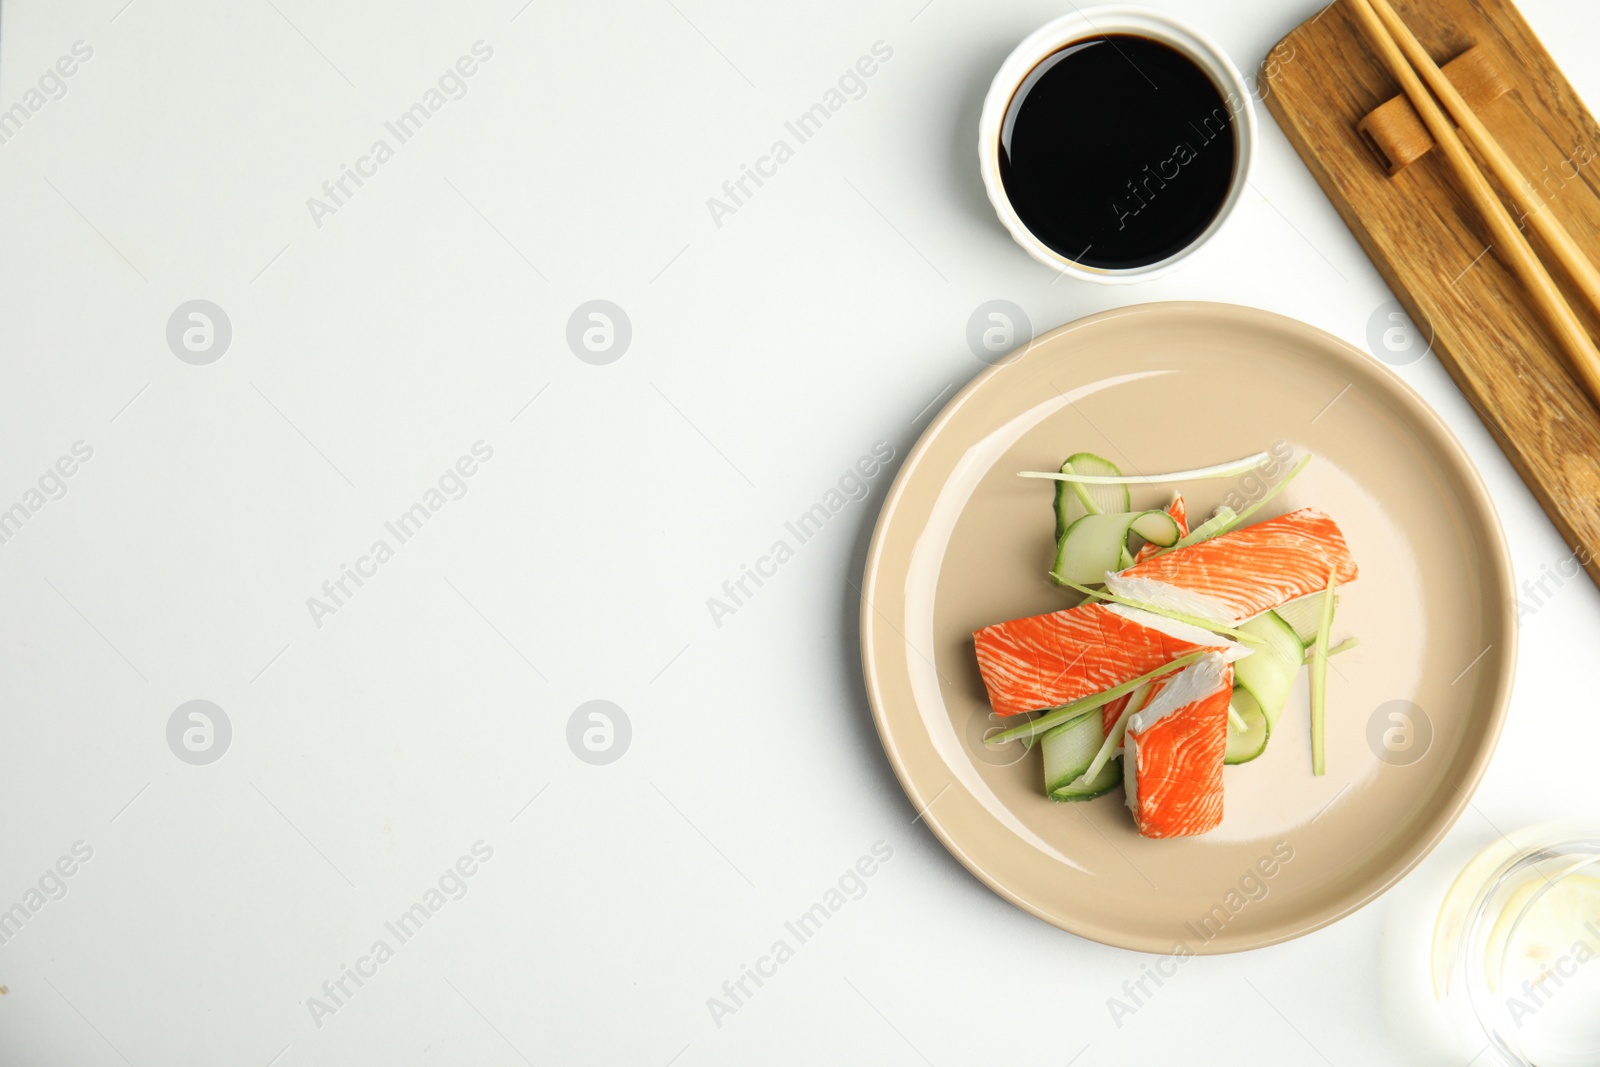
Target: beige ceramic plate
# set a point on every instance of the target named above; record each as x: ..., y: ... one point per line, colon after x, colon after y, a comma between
x: 963, y: 542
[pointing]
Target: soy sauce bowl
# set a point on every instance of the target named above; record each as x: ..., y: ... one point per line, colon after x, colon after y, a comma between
x: 1088, y: 25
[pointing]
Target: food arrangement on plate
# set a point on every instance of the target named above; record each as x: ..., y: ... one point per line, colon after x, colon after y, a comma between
x: 1399, y: 518
x: 1180, y: 658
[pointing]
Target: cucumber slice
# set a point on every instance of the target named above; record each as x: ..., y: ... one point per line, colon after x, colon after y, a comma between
x: 1303, y: 616
x: 1269, y: 671
x: 1094, y: 544
x: 1087, y: 788
x: 1069, y: 509
x: 1068, y: 750
x: 1075, y: 499
x: 1245, y: 745
x: 1157, y: 527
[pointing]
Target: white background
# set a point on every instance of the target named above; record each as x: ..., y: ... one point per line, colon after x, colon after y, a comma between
x: 768, y: 354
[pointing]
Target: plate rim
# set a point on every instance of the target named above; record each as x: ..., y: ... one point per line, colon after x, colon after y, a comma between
x: 1471, y: 482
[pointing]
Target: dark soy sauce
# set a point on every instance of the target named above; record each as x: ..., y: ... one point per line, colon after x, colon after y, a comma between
x: 1117, y: 151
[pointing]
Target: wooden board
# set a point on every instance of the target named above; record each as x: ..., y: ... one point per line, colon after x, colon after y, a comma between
x: 1429, y: 245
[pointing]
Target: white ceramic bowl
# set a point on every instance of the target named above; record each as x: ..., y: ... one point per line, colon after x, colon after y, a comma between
x: 1098, y: 22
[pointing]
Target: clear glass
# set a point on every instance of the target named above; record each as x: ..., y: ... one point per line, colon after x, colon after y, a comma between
x: 1516, y: 950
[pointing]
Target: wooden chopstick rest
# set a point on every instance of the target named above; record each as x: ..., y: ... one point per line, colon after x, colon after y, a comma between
x: 1395, y: 131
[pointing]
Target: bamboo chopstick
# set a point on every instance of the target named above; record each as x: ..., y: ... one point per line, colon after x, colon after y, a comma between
x: 1572, y: 259
x: 1569, y: 331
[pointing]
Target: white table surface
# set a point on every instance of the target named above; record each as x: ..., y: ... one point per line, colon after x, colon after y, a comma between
x: 368, y: 353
